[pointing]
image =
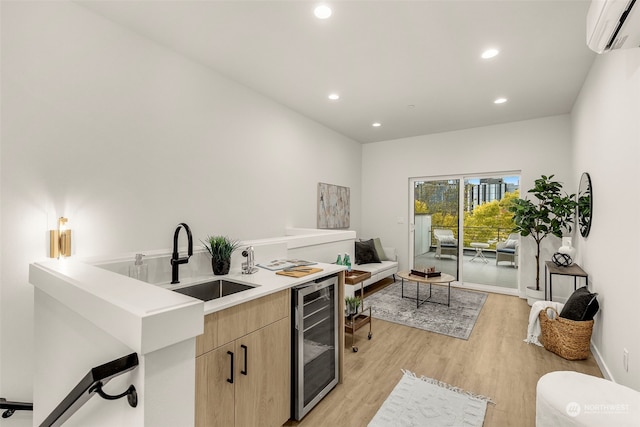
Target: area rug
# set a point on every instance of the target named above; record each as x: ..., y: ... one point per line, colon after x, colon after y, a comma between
x: 427, y: 402
x: 456, y: 321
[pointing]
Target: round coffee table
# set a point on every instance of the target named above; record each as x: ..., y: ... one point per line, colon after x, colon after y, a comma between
x: 443, y: 279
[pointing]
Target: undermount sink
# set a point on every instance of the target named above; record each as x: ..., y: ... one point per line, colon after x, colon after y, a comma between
x: 213, y: 290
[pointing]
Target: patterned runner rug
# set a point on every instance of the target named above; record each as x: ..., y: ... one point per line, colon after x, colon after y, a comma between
x: 427, y: 402
x: 456, y: 321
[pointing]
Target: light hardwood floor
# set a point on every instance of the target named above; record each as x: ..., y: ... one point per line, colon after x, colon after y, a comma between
x: 494, y: 362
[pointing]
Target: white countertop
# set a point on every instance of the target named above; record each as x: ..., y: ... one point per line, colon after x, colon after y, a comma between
x: 266, y: 282
x: 145, y: 316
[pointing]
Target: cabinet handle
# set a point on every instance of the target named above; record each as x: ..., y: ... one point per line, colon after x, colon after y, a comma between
x: 246, y: 353
x: 230, y: 380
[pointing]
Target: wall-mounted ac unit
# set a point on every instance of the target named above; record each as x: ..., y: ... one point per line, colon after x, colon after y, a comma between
x: 613, y: 24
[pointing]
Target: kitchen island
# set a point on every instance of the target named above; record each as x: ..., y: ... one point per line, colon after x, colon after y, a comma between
x: 86, y: 315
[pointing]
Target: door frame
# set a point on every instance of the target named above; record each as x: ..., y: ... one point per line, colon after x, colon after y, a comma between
x: 460, y: 266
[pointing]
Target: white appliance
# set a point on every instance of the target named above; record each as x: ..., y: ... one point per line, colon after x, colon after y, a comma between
x: 613, y: 24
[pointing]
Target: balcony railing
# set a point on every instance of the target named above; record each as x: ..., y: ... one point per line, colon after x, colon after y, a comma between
x: 490, y: 235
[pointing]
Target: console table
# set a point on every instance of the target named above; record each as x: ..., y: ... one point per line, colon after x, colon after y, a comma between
x: 573, y: 270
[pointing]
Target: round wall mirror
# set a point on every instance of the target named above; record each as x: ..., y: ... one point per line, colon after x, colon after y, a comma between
x: 585, y: 204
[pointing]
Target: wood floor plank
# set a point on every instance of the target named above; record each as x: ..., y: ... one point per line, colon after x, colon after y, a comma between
x: 494, y: 362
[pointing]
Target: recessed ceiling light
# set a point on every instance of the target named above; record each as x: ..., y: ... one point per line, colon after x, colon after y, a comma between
x: 334, y: 96
x: 376, y: 125
x: 322, y: 12
x: 490, y: 53
x: 500, y: 100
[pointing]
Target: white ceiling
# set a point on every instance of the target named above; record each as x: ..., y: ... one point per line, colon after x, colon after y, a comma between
x: 413, y: 66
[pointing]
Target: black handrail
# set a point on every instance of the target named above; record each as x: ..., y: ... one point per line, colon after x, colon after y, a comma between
x: 12, y: 407
x: 93, y: 383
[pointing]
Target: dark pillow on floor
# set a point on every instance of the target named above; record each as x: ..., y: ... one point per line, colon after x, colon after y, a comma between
x: 366, y: 252
x: 581, y: 305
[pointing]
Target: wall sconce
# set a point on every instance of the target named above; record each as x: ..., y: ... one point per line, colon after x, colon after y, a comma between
x: 60, y: 240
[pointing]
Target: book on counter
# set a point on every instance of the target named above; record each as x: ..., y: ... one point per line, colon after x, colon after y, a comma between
x: 282, y: 264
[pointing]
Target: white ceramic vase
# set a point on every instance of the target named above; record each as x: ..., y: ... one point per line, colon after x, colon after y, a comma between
x: 566, y: 248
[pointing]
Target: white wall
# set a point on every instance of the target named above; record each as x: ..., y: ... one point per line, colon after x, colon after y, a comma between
x: 534, y: 147
x: 606, y: 138
x: 126, y: 139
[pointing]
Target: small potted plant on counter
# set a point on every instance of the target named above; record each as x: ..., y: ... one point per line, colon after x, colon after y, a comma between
x: 220, y: 248
x: 351, y: 305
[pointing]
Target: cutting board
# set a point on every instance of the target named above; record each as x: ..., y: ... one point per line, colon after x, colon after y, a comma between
x: 299, y: 271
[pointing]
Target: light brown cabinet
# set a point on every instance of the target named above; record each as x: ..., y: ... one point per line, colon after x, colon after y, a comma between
x: 243, y: 365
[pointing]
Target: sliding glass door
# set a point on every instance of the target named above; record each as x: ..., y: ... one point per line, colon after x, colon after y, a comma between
x: 487, y: 225
x: 460, y: 225
x: 436, y: 214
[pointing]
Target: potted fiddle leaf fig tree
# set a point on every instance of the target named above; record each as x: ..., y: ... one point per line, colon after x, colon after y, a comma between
x: 220, y: 248
x: 551, y: 212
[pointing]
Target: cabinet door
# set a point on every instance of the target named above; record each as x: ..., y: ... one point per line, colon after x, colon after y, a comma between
x: 214, y: 394
x: 263, y: 395
x: 224, y: 326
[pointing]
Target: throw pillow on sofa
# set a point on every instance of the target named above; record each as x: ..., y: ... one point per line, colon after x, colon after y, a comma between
x: 581, y: 305
x: 366, y: 252
x: 378, y: 245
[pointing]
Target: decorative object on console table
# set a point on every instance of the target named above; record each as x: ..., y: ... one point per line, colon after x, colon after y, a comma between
x: 333, y: 206
x: 551, y: 214
x: 561, y: 260
x: 220, y: 248
x: 567, y: 248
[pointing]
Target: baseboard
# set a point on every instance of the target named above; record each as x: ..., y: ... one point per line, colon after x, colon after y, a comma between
x: 485, y: 288
x: 606, y: 373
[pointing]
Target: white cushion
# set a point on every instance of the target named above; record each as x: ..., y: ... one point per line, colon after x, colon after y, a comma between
x: 376, y: 267
x: 447, y: 240
x: 510, y: 244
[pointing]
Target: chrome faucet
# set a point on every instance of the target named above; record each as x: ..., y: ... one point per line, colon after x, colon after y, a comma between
x: 175, y: 257
x: 248, y: 267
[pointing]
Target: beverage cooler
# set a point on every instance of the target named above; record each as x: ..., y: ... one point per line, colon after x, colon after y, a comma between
x: 314, y: 343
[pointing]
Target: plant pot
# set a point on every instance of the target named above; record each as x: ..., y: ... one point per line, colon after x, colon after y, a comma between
x: 350, y: 311
x: 534, y: 295
x: 220, y: 266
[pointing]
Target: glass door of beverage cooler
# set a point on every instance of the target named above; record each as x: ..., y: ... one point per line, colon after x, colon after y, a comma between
x: 315, y: 343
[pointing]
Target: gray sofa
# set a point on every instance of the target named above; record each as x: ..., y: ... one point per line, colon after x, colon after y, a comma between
x: 378, y: 271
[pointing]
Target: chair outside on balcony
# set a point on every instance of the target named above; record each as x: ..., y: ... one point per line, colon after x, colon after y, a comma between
x: 446, y: 244
x: 508, y: 250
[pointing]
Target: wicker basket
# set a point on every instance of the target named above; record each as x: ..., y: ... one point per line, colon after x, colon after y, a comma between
x: 569, y: 339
